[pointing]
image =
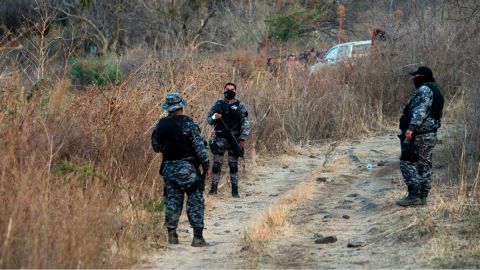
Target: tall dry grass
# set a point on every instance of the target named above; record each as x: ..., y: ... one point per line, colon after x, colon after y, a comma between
x: 79, y: 183
x: 66, y: 200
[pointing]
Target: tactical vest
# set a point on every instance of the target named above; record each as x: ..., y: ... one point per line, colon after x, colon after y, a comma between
x: 435, y: 110
x: 231, y: 115
x: 438, y: 101
x: 174, y: 143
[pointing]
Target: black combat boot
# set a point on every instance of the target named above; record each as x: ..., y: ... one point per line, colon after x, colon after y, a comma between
x: 172, y: 236
x: 235, y: 191
x: 423, y: 196
x: 412, y: 199
x: 198, y: 240
x: 213, y: 189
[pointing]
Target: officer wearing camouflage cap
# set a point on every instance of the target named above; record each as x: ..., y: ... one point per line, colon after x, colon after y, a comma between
x: 418, y: 124
x: 178, y: 138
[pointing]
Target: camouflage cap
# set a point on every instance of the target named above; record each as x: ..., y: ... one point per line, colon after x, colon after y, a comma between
x: 174, y: 101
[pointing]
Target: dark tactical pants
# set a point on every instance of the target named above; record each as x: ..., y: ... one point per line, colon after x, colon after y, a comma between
x: 174, y: 196
x: 418, y: 175
x: 219, y: 146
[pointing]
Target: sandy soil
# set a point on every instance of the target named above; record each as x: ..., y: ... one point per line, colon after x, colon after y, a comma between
x: 347, y: 201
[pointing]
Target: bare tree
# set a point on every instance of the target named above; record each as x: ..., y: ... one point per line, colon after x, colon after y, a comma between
x: 98, y: 22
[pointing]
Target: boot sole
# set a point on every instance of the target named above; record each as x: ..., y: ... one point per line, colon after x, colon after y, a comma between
x: 204, y: 244
x: 410, y: 204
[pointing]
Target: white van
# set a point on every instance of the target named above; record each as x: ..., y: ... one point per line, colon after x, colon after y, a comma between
x: 341, y: 52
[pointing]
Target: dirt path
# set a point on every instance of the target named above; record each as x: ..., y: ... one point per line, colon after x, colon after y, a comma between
x: 352, y: 203
x: 355, y: 206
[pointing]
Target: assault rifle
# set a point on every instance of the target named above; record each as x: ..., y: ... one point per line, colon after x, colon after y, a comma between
x: 231, y: 138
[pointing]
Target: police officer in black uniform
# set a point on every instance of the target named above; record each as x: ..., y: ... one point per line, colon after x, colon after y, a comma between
x: 184, y: 151
x: 419, y: 123
x: 228, y: 113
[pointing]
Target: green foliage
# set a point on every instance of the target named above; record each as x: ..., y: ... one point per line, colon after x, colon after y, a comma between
x: 39, y: 86
x: 153, y: 206
x: 98, y: 70
x: 82, y: 170
x: 291, y: 26
x: 85, y: 3
x: 39, y: 95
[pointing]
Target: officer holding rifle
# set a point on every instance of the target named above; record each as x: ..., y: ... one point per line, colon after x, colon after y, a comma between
x: 230, y: 120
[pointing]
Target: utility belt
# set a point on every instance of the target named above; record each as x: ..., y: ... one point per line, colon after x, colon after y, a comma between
x: 191, y: 160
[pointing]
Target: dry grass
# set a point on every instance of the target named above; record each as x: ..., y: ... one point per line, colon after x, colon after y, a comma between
x: 449, y: 252
x: 79, y: 184
x: 451, y: 223
x: 338, y: 164
x: 270, y: 224
x: 273, y: 222
x: 64, y: 194
x: 452, y: 227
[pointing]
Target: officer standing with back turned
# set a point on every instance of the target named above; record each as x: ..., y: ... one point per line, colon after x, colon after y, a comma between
x: 184, y: 151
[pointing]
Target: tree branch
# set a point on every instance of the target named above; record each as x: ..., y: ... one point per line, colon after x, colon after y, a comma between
x: 203, y: 24
x: 205, y: 42
x: 100, y: 35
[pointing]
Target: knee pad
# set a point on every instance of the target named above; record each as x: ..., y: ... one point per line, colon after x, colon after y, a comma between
x: 216, y: 168
x: 233, y: 167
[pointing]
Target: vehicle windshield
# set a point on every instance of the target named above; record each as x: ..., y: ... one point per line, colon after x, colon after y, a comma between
x: 331, y: 55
